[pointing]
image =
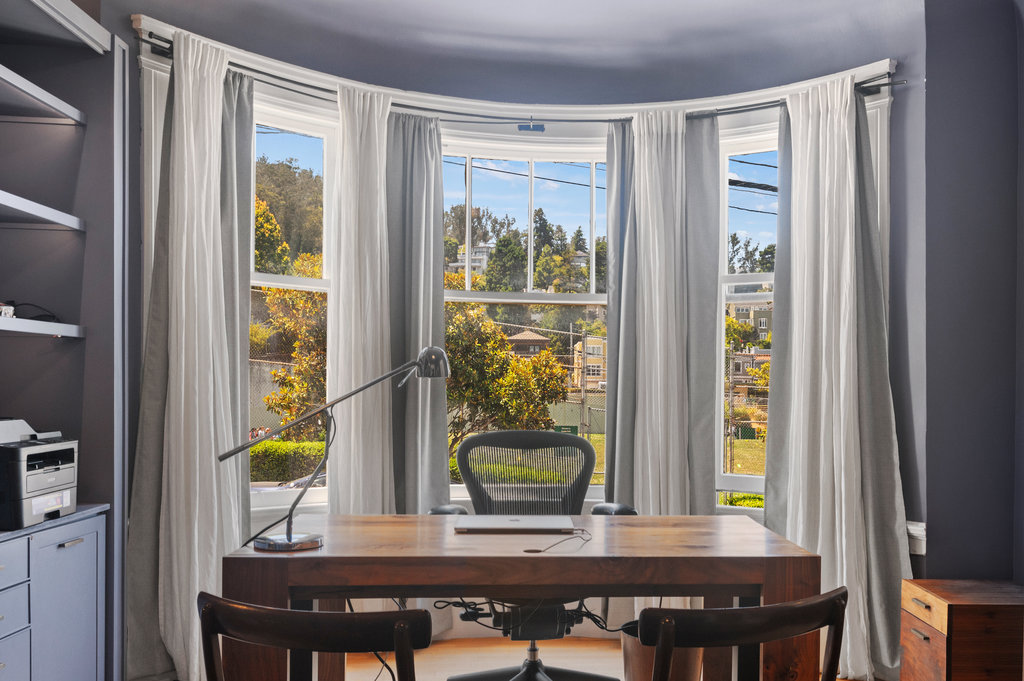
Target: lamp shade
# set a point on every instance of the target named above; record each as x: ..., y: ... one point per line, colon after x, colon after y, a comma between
x: 432, y: 363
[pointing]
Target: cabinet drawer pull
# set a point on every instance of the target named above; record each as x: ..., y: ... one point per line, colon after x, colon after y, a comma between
x: 69, y: 544
x: 918, y: 602
x: 920, y: 635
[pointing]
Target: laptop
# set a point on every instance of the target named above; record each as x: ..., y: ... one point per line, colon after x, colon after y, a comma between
x: 514, y: 524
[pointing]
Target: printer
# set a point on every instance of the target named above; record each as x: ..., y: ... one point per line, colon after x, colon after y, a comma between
x: 38, y: 475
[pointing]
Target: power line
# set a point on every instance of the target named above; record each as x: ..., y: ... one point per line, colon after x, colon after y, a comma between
x: 752, y: 163
x: 752, y: 191
x: 751, y: 210
x: 536, y: 177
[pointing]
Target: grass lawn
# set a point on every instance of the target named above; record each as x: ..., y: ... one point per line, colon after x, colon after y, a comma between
x: 748, y: 457
x: 597, y: 440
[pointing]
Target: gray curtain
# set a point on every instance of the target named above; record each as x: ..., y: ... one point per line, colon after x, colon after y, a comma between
x: 663, y: 227
x: 146, y: 656
x: 415, y: 207
x: 621, y: 407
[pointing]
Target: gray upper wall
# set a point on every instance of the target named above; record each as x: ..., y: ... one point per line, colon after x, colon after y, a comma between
x: 953, y: 276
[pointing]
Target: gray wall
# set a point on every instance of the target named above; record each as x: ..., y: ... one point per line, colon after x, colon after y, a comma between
x: 953, y: 160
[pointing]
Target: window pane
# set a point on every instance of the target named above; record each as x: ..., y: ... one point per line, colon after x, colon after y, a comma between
x: 561, y: 227
x: 287, y: 377
x: 500, y: 203
x: 526, y: 367
x: 600, y: 228
x: 753, y: 209
x: 289, y: 200
x: 454, y: 183
x: 752, y: 225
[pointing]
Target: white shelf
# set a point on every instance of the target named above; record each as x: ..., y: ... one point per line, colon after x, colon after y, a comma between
x: 21, y: 99
x: 16, y: 211
x: 33, y: 327
x: 54, y: 21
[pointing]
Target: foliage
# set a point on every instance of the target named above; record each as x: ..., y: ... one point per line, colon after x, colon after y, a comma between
x: 745, y: 256
x: 272, y: 251
x: 485, y: 224
x: 601, y: 265
x: 736, y: 499
x: 579, y: 242
x: 739, y: 335
x: 506, y: 267
x: 451, y: 250
x: 301, y: 315
x: 259, y: 338
x: 760, y: 374
x: 490, y: 387
x: 456, y: 281
x: 295, y: 196
x: 279, y: 461
x: 505, y: 473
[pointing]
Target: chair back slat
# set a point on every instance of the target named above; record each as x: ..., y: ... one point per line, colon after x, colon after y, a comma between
x: 526, y: 472
x: 666, y: 628
x: 334, y: 632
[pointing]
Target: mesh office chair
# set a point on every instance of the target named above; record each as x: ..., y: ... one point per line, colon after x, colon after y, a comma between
x: 334, y: 632
x: 719, y: 627
x: 529, y: 472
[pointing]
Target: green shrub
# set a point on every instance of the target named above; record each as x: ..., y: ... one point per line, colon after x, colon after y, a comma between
x: 453, y: 471
x: 493, y: 472
x: 280, y: 461
x: 735, y: 499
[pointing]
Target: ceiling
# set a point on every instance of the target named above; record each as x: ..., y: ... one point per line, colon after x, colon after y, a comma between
x: 546, y: 50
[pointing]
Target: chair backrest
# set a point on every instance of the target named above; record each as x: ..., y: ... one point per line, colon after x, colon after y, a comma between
x: 667, y: 628
x: 335, y: 632
x: 526, y: 472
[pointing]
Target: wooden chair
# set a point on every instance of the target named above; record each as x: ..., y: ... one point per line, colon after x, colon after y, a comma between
x: 716, y: 627
x: 335, y: 632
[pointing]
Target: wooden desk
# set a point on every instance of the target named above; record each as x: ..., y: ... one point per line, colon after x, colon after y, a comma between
x: 382, y: 556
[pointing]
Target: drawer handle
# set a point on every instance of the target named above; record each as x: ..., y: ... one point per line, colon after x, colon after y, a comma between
x: 921, y: 604
x: 920, y: 635
x: 69, y: 544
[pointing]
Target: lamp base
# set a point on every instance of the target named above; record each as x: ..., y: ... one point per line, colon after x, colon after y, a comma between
x: 280, y: 542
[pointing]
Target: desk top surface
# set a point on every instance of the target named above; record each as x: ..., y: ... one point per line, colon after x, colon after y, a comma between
x: 350, y: 538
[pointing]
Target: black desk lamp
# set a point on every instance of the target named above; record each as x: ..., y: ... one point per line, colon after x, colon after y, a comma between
x: 431, y: 363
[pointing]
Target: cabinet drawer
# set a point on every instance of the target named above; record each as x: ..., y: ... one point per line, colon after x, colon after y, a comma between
x: 13, y: 562
x: 924, y: 650
x: 13, y: 609
x: 925, y: 606
x: 14, y: 657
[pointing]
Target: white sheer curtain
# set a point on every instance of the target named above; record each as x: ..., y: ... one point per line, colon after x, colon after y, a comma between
x: 199, y: 514
x: 360, y: 470
x: 833, y: 482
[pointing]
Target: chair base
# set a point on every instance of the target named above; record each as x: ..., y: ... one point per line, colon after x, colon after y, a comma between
x: 531, y: 670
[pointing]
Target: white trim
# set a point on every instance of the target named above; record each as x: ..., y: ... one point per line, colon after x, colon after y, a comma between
x: 288, y: 282
x: 529, y: 298
x: 917, y: 534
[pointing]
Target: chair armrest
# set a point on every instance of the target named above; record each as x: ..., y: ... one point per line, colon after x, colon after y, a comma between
x: 448, y: 509
x: 610, y: 508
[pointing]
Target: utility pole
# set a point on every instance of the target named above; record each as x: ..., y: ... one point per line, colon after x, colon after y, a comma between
x: 583, y: 385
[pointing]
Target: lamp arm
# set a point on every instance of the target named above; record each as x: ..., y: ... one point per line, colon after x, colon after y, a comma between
x: 312, y: 476
x: 310, y: 414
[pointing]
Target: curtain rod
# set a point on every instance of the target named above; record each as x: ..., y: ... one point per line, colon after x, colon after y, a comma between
x: 165, y: 47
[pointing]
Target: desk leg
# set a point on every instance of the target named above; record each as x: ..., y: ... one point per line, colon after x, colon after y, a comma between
x: 788, y: 579
x: 331, y: 666
x: 261, y: 582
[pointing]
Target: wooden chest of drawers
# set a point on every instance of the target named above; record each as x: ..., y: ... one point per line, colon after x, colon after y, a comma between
x: 961, y: 630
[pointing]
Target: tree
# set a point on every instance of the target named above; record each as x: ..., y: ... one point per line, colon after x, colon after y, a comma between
x: 301, y: 315
x: 579, y: 242
x: 543, y: 232
x: 760, y: 374
x: 552, y: 271
x: 489, y: 386
x: 451, y: 250
x: 601, y: 265
x: 766, y: 259
x: 746, y: 256
x: 559, y: 320
x: 272, y: 252
x: 506, y: 266
x: 296, y: 198
x: 739, y: 334
x: 485, y: 224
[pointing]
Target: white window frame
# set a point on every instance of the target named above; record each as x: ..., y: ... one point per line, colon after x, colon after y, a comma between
x: 292, y: 112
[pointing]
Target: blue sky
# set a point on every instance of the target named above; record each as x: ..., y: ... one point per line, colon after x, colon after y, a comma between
x: 279, y: 145
x: 503, y: 187
x: 760, y: 227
